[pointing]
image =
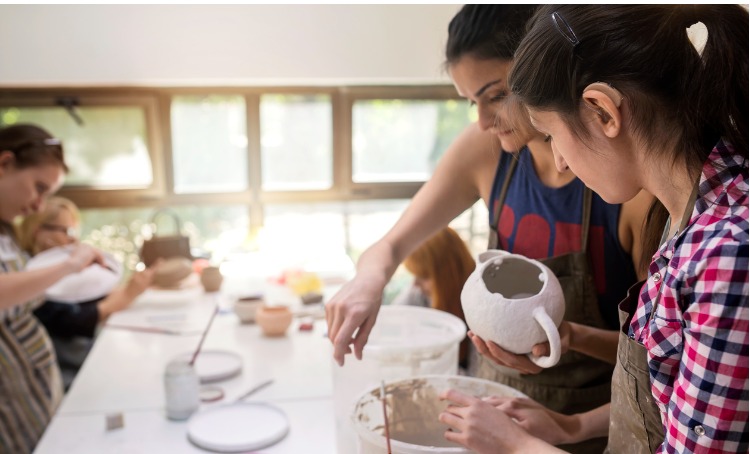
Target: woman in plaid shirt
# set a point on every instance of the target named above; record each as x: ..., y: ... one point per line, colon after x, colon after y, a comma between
x: 629, y: 104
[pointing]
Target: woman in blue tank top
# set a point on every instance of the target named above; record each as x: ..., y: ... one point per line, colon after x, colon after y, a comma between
x: 545, y: 215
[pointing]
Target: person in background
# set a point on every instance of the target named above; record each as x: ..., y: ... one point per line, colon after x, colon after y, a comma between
x: 72, y: 326
x: 31, y: 168
x: 440, y: 267
x: 593, y: 247
x: 629, y: 105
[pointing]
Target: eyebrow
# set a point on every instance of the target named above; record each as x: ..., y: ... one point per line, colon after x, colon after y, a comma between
x: 486, y: 86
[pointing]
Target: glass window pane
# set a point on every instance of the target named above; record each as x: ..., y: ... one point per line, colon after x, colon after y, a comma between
x: 209, y: 144
x: 296, y: 142
x: 397, y: 140
x: 108, y: 151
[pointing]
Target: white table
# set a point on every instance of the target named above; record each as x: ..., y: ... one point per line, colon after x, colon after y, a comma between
x: 124, y: 374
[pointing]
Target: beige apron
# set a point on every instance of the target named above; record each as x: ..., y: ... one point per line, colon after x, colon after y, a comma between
x: 578, y: 382
x: 634, y: 422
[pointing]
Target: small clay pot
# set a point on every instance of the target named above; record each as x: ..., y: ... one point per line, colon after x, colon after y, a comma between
x: 273, y: 320
x: 171, y: 271
x: 211, y: 278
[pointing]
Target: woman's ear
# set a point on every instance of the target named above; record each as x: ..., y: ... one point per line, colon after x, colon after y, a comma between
x: 7, y: 159
x: 605, y: 100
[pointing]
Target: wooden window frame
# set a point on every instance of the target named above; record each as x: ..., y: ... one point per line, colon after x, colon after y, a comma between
x: 157, y: 104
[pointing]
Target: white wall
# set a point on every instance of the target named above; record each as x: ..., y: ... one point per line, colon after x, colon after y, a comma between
x: 85, y: 45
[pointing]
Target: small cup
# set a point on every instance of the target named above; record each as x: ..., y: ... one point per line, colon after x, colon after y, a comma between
x: 246, y: 308
x: 274, y: 320
x: 211, y: 278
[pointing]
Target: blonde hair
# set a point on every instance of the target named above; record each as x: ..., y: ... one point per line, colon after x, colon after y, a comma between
x: 30, y: 226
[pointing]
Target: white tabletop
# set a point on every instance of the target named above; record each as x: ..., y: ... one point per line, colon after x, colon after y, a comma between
x: 124, y: 374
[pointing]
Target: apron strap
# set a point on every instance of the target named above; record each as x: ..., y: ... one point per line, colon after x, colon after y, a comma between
x: 492, y: 244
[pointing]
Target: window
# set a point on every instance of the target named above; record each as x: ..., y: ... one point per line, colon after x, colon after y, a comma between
x: 209, y: 144
x: 296, y: 138
x: 311, y: 172
x: 402, y: 139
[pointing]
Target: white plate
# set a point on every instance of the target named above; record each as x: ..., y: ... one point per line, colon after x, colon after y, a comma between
x: 215, y: 365
x: 91, y: 283
x: 237, y: 427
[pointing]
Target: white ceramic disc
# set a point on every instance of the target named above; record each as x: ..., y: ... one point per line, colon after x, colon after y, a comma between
x: 237, y: 427
x: 215, y: 365
x: 91, y: 283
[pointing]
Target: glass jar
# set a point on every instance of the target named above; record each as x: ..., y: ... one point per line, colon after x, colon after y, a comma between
x: 182, y: 388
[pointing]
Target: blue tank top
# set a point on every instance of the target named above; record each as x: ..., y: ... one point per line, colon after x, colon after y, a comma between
x: 539, y: 222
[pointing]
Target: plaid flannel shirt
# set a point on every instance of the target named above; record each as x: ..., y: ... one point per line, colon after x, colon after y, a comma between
x: 697, y: 340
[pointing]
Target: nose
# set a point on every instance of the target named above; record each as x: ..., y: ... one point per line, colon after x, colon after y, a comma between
x: 486, y: 119
x: 37, y: 204
x: 560, y: 163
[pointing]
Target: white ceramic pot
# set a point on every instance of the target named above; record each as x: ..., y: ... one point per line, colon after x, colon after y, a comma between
x: 515, y: 302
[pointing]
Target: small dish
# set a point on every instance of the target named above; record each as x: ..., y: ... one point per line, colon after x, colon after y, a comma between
x: 237, y: 427
x: 215, y: 365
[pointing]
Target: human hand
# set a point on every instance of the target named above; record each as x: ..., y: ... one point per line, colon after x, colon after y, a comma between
x: 539, y: 421
x: 140, y: 281
x: 503, y: 357
x: 353, y: 308
x: 481, y: 427
x: 83, y: 255
x: 542, y: 349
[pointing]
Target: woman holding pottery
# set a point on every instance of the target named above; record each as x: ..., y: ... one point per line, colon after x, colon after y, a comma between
x: 535, y: 210
x: 31, y: 168
x: 72, y: 326
x: 627, y: 82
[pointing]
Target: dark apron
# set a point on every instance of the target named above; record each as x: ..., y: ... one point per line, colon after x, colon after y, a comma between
x: 578, y: 382
x: 634, y: 421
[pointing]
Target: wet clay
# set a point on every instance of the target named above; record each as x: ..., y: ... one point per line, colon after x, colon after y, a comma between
x: 413, y: 409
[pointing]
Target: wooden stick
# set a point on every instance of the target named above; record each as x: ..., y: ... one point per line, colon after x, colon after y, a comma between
x: 385, y: 416
x: 203, y: 337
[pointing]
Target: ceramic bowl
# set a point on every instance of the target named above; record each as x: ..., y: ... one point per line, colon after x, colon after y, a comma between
x: 247, y: 307
x: 274, y: 320
x: 171, y: 271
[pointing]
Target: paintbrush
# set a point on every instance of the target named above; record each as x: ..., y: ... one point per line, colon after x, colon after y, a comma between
x: 385, y: 416
x: 203, y: 337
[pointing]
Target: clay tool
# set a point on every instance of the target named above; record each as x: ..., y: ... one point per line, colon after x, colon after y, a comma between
x: 203, y: 337
x: 253, y: 390
x: 385, y: 416
x: 152, y: 329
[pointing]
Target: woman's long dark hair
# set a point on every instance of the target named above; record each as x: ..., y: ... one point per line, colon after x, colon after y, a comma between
x: 674, y: 92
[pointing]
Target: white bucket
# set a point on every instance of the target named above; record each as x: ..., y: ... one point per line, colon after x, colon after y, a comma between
x: 413, y: 407
x: 406, y: 341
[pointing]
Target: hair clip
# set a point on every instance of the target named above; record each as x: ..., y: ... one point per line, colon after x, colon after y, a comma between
x: 565, y: 29
x: 52, y: 141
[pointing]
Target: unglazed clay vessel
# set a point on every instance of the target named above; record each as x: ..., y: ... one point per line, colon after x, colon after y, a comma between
x: 171, y: 271
x: 273, y: 320
x: 516, y: 303
x: 211, y: 278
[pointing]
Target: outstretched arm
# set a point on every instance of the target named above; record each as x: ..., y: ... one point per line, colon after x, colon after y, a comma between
x: 23, y: 286
x: 463, y: 175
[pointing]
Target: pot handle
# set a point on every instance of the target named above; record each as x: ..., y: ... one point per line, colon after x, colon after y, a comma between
x: 490, y: 254
x: 553, y: 335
